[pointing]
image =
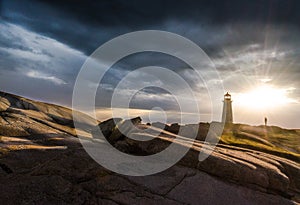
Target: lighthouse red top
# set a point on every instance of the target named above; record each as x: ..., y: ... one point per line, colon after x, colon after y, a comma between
x: 227, y: 96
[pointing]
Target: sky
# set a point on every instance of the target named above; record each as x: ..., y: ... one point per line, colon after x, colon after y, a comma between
x: 254, y: 45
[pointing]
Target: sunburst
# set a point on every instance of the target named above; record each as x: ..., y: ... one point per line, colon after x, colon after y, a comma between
x: 264, y: 97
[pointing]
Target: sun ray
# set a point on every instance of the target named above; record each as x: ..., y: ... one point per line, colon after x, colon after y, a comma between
x: 264, y: 97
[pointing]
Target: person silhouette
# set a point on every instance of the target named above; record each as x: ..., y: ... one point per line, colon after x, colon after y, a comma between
x: 266, y: 121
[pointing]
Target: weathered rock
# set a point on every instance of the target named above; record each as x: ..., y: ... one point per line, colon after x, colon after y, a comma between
x: 115, y: 128
x: 160, y: 125
x: 123, y: 128
x: 106, y: 127
x: 34, y: 170
x: 174, y: 128
x: 4, y: 104
x: 246, y: 170
x: 204, y: 189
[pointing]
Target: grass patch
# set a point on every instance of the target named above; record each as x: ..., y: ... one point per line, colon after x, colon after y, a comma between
x: 231, y: 139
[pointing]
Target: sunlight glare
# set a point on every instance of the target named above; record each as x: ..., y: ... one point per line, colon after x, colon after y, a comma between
x: 264, y: 97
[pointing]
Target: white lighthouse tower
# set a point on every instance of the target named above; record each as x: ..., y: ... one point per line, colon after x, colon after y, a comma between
x: 227, y: 109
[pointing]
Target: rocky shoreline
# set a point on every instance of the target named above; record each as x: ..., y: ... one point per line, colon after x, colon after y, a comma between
x: 42, y: 161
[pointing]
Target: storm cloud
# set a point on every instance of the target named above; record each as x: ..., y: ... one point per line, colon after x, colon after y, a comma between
x: 45, y: 43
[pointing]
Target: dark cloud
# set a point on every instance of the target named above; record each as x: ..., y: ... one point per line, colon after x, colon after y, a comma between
x: 85, y: 25
x: 140, y: 13
x: 44, y: 43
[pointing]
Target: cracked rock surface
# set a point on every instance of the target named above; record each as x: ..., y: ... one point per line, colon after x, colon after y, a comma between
x: 43, y: 162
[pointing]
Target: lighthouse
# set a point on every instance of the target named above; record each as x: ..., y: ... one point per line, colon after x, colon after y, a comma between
x: 227, y: 109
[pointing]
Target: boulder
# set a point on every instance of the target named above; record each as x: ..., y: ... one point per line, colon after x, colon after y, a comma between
x: 115, y: 128
x: 105, y: 127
